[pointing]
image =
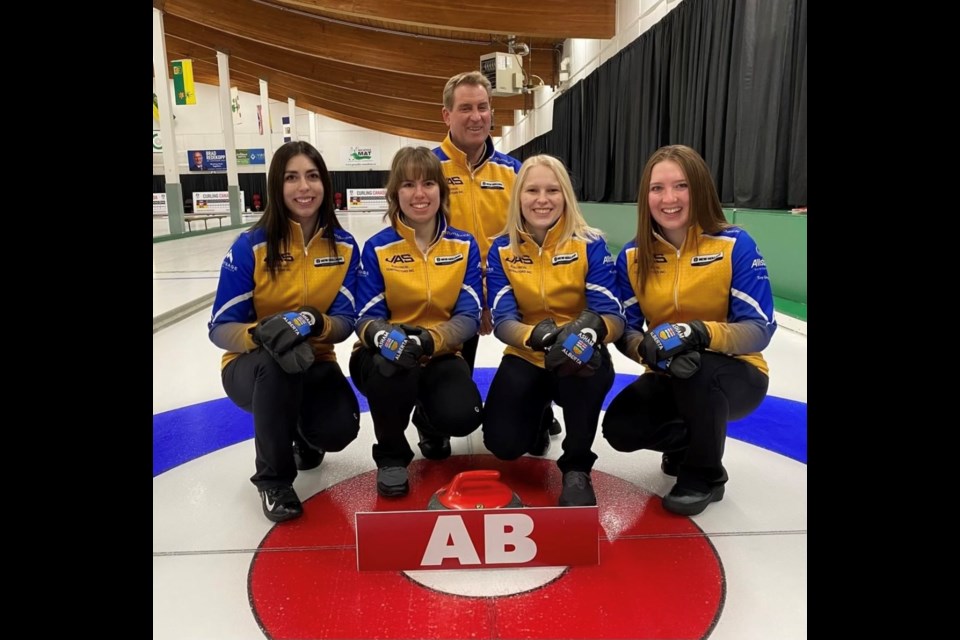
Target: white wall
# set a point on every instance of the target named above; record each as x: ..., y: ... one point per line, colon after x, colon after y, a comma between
x: 199, y: 126
x: 634, y: 17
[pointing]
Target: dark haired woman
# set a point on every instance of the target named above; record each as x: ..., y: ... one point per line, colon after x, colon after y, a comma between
x: 285, y: 297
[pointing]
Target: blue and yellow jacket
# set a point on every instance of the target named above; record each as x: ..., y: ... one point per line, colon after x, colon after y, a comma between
x: 479, y: 197
x: 313, y: 276
x: 720, y: 279
x: 438, y: 289
x: 554, y: 281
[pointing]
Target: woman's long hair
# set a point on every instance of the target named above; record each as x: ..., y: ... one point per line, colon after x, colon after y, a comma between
x: 572, y: 223
x: 276, y: 216
x: 705, y: 209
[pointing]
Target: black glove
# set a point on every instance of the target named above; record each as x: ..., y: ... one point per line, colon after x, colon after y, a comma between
x: 283, y: 336
x: 398, y: 345
x: 296, y: 360
x: 544, y: 334
x: 282, y: 331
x: 577, y: 346
x: 422, y: 338
x: 675, y: 347
x: 376, y: 332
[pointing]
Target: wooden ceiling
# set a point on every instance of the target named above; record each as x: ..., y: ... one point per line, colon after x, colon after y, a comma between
x: 378, y: 64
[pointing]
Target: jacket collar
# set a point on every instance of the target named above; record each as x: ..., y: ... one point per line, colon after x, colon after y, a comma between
x: 550, y: 240
x: 409, y: 234
x: 459, y: 157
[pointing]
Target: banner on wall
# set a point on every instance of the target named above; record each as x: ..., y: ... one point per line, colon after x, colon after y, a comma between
x: 360, y: 155
x: 159, y: 204
x: 213, y: 201
x: 260, y: 118
x: 366, y: 199
x: 287, y: 135
x: 207, y: 159
x: 157, y: 145
x: 235, y: 105
x: 251, y: 156
x: 183, y: 90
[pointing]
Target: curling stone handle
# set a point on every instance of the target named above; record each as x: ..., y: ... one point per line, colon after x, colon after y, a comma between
x: 466, y: 477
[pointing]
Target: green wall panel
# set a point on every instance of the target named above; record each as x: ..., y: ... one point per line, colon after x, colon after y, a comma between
x: 780, y: 236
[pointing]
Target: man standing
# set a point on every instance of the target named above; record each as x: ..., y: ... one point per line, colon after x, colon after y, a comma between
x: 481, y: 181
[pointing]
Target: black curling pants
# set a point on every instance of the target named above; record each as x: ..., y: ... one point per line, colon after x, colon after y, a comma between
x: 521, y: 393
x: 686, y: 416
x: 319, y: 400
x: 443, y: 388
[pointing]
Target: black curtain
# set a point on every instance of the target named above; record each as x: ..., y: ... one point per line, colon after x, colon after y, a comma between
x: 249, y: 183
x: 343, y: 180
x: 726, y: 77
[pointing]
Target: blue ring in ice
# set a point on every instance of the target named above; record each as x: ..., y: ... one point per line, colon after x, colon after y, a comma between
x: 187, y: 433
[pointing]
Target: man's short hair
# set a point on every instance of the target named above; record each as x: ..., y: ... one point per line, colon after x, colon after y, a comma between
x: 469, y: 78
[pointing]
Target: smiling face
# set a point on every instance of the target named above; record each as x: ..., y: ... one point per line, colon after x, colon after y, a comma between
x: 198, y: 158
x: 302, y: 189
x: 669, y: 200
x: 541, y: 201
x: 419, y: 200
x: 470, y: 119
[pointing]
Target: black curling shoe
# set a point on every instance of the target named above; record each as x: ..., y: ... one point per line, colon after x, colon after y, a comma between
x: 281, y: 503
x: 392, y: 482
x: 577, y: 490
x: 541, y: 445
x: 670, y: 463
x: 306, y: 457
x: 432, y: 447
x: 689, y: 502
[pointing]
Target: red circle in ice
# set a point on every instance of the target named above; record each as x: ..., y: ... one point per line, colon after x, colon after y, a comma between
x: 659, y: 576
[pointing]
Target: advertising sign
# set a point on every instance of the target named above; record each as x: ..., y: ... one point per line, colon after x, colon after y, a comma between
x: 213, y: 201
x: 359, y: 155
x: 366, y: 199
x: 207, y: 159
x: 159, y: 204
x: 251, y: 156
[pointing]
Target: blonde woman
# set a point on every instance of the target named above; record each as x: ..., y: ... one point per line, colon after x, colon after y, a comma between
x: 552, y: 291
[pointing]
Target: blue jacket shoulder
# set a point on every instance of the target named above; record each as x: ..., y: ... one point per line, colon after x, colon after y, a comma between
x: 505, y: 160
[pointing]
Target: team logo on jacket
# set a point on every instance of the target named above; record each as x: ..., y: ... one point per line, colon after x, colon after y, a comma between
x: 659, y: 257
x: 699, y: 261
x: 491, y: 184
x: 286, y: 257
x: 328, y: 262
x: 443, y: 260
x: 565, y: 258
x: 228, y: 261
x: 520, y: 259
x: 400, y: 257
x: 454, y: 180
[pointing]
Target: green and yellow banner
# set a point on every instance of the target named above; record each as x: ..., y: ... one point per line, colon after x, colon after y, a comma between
x: 183, y: 82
